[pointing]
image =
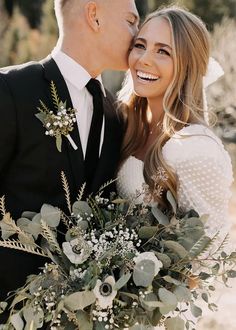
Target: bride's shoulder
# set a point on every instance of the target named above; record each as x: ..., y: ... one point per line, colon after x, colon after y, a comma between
x: 194, y: 141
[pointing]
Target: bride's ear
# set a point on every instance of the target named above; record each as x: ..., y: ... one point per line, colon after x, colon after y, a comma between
x: 91, y: 15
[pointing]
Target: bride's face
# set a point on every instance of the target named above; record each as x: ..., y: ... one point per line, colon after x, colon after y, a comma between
x: 151, y: 59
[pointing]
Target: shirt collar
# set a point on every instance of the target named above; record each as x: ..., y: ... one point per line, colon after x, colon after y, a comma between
x: 73, y: 71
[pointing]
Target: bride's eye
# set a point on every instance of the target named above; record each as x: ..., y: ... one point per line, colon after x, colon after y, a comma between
x: 138, y: 45
x: 163, y: 52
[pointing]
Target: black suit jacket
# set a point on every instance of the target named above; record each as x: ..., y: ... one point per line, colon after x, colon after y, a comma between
x: 30, y: 164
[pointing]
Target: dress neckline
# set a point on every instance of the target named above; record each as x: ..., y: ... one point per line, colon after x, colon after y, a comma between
x: 137, y: 159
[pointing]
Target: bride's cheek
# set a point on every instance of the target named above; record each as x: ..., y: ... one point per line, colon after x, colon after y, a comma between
x: 132, y: 59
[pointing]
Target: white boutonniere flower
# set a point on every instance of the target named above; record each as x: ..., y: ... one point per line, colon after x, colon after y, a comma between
x: 105, y: 292
x: 59, y: 123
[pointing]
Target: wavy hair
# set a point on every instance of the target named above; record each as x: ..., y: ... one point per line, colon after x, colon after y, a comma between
x: 183, y: 102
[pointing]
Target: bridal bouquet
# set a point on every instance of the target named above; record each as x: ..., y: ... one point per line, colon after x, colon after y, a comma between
x: 118, y: 266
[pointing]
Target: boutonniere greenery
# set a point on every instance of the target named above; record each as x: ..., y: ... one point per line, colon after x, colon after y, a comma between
x: 57, y: 123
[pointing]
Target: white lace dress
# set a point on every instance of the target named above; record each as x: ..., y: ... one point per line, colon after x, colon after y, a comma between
x: 204, y: 173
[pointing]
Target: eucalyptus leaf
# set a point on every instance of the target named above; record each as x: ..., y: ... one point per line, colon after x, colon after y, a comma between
x: 182, y: 293
x: 170, y: 279
x: 205, y: 297
x: 31, y: 315
x: 193, y: 223
x: 172, y: 201
x: 79, y: 300
x: 41, y: 116
x: 130, y: 295
x: 19, y: 298
x: 149, y: 302
x: 195, y: 310
x: 30, y: 326
x: 169, y: 299
x: 51, y: 215
x: 58, y: 142
x: 3, y: 306
x: 144, y: 273
x: 176, y: 248
x: 174, y: 323
x: 26, y: 239
x: 141, y: 327
x: 152, y: 304
x: 99, y: 325
x: 37, y: 218
x: 156, y: 317
x: 164, y: 258
x: 122, y: 281
x: 17, y: 321
x: 28, y: 214
x: 84, y: 321
x: 231, y: 273
x: 160, y: 216
x: 215, y: 268
x: 204, y: 218
x: 28, y: 314
x: 81, y: 207
x: 23, y: 223
x: 147, y: 232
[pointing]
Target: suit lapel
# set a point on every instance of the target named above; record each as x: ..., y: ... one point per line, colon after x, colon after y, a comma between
x: 52, y: 73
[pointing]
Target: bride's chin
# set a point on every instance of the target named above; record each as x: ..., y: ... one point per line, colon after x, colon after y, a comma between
x: 139, y: 93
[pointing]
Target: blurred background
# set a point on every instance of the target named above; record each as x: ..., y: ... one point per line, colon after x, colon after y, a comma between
x: 28, y: 31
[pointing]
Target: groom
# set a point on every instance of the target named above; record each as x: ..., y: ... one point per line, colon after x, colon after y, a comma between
x: 94, y: 36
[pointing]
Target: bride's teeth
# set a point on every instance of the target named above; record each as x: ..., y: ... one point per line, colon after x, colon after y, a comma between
x: 144, y: 75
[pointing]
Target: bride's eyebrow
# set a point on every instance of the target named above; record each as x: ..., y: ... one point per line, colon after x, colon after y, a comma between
x: 157, y: 44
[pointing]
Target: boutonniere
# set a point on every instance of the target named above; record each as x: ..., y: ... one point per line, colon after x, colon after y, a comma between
x: 59, y: 123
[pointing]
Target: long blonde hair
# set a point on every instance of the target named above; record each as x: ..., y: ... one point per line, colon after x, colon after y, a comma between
x: 183, y: 99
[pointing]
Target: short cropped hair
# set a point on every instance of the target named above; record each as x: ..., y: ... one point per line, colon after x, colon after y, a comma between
x: 59, y: 6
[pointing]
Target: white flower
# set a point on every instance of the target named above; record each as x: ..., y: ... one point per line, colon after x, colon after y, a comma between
x: 74, y: 252
x: 149, y: 256
x: 104, y: 292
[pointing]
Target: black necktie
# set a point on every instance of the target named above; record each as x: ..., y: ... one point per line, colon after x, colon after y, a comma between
x: 93, y: 145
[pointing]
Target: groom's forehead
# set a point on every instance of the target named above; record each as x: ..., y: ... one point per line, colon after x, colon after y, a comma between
x: 123, y: 6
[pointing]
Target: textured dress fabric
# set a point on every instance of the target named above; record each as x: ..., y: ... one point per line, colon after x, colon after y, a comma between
x: 204, y: 174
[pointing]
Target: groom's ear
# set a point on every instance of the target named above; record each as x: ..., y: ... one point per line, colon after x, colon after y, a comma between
x: 91, y: 13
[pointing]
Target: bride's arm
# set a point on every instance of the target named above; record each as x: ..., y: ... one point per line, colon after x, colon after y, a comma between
x: 204, y: 174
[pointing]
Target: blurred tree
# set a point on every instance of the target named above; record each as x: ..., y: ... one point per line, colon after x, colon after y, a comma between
x: 210, y: 11
x: 143, y: 7
x: 32, y: 10
x: 9, y: 5
x: 221, y: 95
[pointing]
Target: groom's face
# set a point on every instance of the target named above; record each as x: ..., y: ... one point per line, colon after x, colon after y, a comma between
x: 120, y: 21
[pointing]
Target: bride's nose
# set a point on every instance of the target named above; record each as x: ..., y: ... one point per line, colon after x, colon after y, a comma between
x: 146, y: 58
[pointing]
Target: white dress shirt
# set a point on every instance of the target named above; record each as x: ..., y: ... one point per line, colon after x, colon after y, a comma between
x: 76, y: 78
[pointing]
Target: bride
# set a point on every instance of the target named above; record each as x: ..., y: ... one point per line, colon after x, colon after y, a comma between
x: 168, y: 143
x: 167, y: 122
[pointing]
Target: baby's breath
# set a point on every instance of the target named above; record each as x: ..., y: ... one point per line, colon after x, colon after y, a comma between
x: 59, y: 122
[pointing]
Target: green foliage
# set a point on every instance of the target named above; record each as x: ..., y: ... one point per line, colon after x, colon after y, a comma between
x: 144, y: 270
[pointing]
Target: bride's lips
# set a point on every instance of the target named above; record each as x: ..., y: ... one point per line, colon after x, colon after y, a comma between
x: 146, y: 77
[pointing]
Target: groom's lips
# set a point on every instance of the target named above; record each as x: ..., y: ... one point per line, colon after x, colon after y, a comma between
x: 146, y: 76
